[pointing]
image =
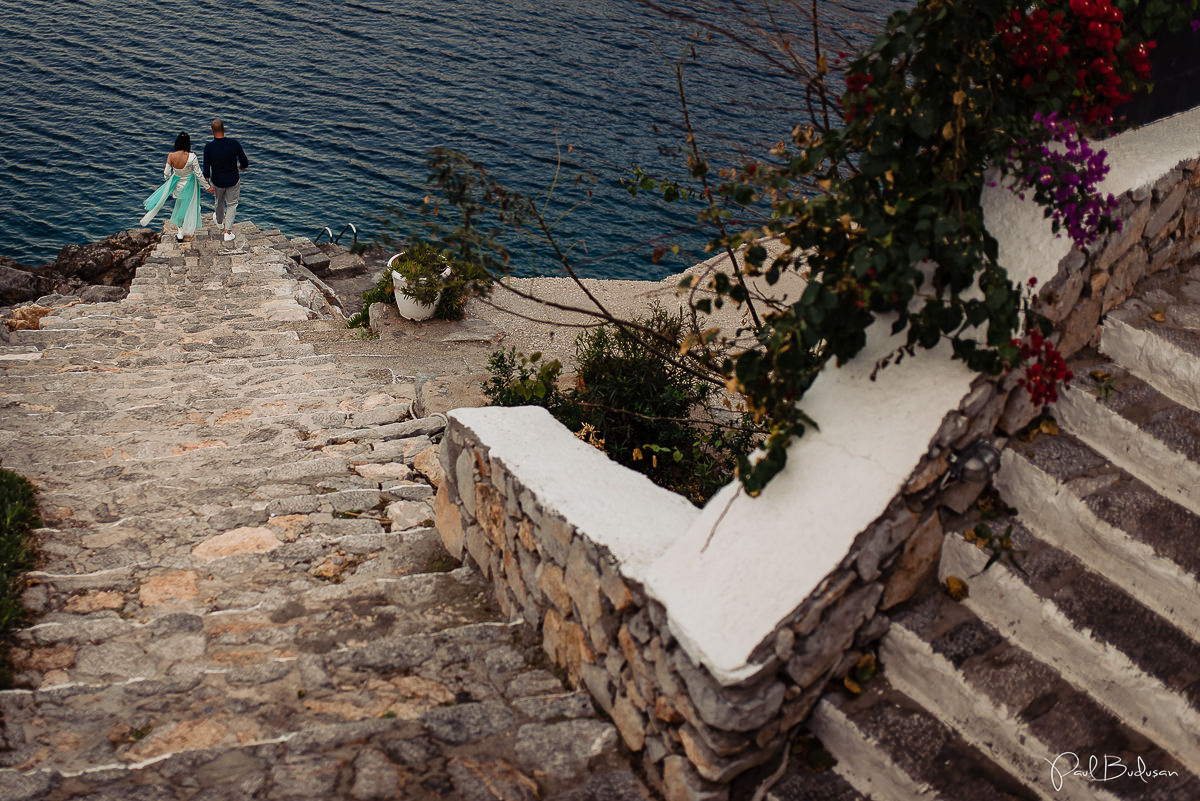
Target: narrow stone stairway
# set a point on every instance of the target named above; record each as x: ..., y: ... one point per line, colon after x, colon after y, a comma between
x: 241, y: 594
x: 1072, y: 669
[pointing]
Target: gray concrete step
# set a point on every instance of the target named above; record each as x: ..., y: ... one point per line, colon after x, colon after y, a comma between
x: 1018, y: 710
x: 1123, y: 529
x: 891, y: 749
x: 1135, y: 427
x: 1097, y: 637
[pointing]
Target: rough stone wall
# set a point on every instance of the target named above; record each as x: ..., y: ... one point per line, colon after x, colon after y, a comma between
x: 694, y: 734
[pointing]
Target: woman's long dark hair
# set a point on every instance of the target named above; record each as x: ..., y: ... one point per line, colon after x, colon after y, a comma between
x: 183, y: 142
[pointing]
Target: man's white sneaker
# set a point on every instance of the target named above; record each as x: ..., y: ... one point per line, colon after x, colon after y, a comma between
x: 215, y: 220
x: 178, y: 236
x: 228, y: 236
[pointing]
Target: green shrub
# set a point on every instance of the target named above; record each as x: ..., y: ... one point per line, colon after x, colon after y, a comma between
x: 18, y: 516
x: 382, y: 292
x: 643, y: 410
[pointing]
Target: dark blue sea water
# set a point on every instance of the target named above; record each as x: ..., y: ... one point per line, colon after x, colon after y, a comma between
x: 338, y: 103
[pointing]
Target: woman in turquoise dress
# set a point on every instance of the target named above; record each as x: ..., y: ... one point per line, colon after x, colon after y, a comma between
x: 183, y: 182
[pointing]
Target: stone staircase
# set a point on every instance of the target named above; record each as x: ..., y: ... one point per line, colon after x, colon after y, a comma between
x: 241, y: 594
x: 1072, y: 670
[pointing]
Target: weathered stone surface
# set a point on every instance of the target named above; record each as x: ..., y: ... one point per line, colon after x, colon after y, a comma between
x: 630, y: 723
x: 728, y: 708
x: 564, y: 750
x: 216, y: 570
x: 188, y: 735
x: 95, y: 601
x: 1165, y: 212
x: 566, y: 643
x: 818, y: 652
x: 383, y: 471
x: 256, y: 539
x: 465, y: 723
x: 409, y: 514
x: 429, y: 465
x: 682, y: 783
x: 375, y: 778
x: 168, y: 588
x: 918, y: 559
x: 19, y: 284
x: 556, y: 707
x: 491, y: 780
x: 551, y: 581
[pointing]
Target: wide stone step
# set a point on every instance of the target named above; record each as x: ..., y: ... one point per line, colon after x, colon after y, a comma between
x: 451, y: 715
x: 1098, y: 638
x: 284, y: 533
x: 1135, y: 427
x: 889, y: 748
x: 1018, y: 711
x: 806, y: 784
x: 1077, y: 500
x: 1165, y: 354
x: 74, y: 726
x: 120, y: 628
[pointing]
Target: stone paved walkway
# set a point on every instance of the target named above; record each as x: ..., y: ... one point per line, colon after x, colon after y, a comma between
x: 241, y: 594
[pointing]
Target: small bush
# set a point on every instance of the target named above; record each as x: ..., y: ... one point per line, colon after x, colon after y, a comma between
x: 18, y: 516
x: 382, y: 292
x: 641, y: 409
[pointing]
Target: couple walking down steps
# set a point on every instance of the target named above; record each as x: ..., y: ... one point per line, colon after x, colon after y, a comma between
x: 223, y: 159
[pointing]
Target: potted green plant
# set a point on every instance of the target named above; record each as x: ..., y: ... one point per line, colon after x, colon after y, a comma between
x: 419, y: 275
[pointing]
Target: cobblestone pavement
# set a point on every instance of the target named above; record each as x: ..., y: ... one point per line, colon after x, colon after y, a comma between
x: 241, y: 594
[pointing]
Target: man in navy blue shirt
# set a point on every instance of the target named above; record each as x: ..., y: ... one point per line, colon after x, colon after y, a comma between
x: 223, y: 158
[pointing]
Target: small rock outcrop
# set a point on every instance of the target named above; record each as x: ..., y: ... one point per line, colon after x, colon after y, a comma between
x: 100, y: 269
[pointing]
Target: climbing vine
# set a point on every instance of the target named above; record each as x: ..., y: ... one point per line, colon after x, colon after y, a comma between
x: 951, y: 97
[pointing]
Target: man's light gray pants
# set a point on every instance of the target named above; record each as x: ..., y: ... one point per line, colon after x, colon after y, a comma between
x: 226, y: 204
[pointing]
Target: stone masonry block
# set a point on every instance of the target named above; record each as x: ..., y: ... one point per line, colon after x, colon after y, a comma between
x: 681, y: 782
x: 716, y: 768
x: 489, y: 511
x: 1164, y: 215
x: 1116, y: 244
x: 918, y: 559
x: 583, y: 582
x: 566, y: 644
x: 599, y: 686
x: 464, y: 480
x: 641, y: 673
x: 830, y: 590
x: 1125, y: 275
x: 1063, y: 295
x: 729, y: 708
x: 630, y: 723
x: 554, y: 539
x: 818, y: 652
x: 529, y: 565
x: 552, y: 584
x: 1161, y: 258
x: 480, y: 549
x: 1080, y: 326
x: 614, y: 587
x: 881, y: 540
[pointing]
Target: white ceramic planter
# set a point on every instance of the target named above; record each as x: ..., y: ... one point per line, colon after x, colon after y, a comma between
x: 409, y: 308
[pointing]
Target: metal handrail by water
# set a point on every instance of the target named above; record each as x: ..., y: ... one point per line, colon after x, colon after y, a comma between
x: 326, y: 232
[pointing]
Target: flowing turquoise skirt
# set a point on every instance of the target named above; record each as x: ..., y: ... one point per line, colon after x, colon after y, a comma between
x: 186, y: 213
